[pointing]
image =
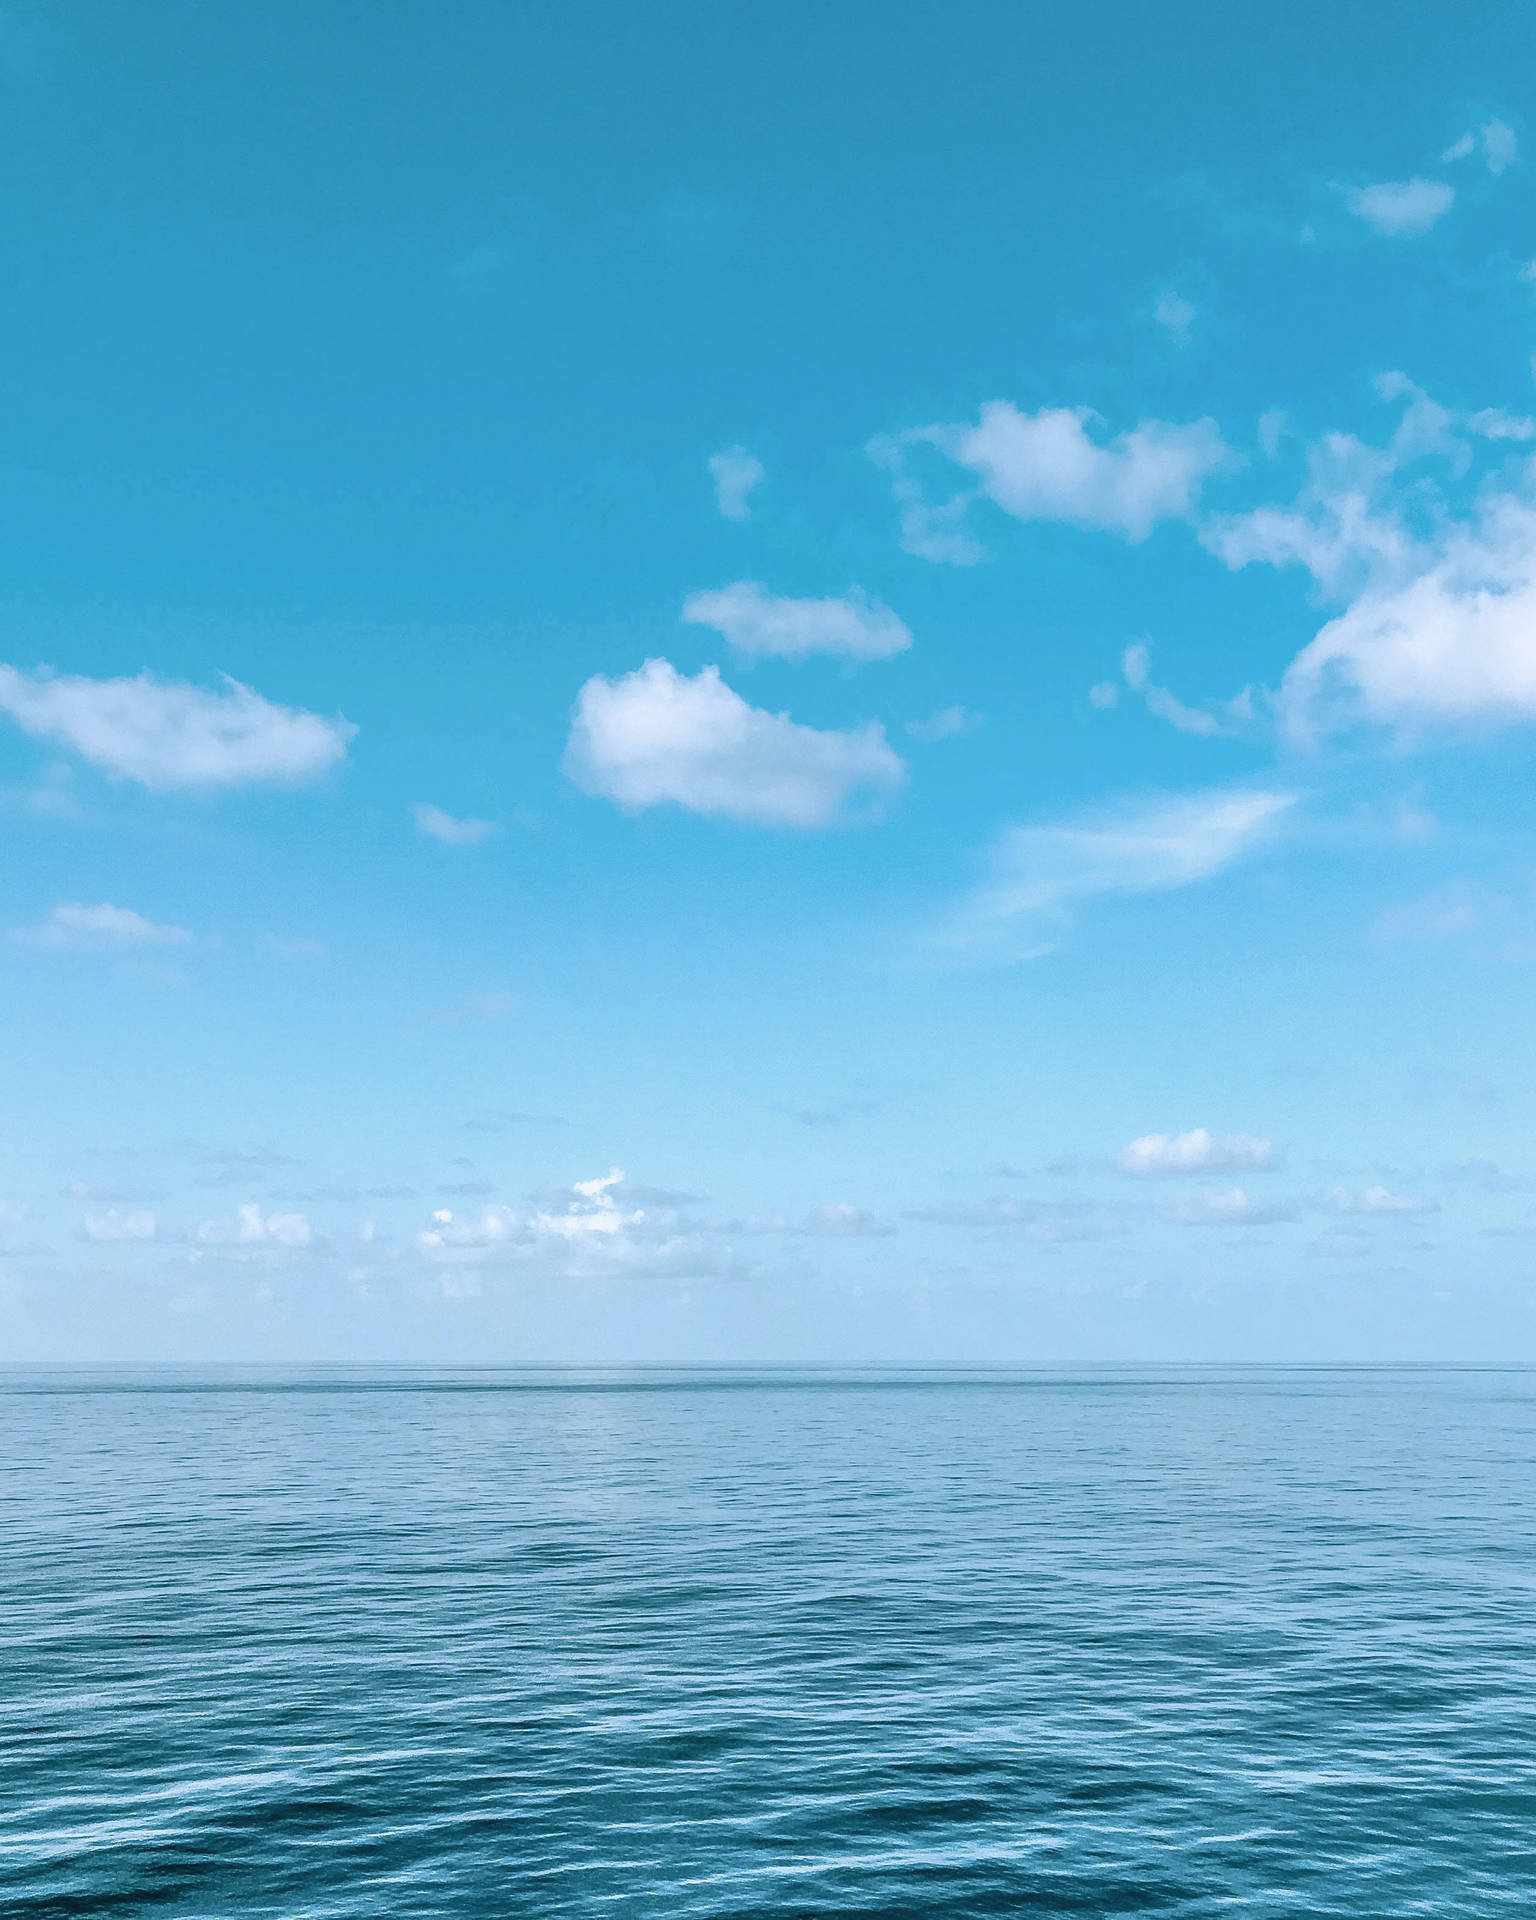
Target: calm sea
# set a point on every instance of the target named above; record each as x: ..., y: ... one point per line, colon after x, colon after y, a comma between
x: 369, y: 1644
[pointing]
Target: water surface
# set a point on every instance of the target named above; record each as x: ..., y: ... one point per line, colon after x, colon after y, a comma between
x: 1192, y: 1643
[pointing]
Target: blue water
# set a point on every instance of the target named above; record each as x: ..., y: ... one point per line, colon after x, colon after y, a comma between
x: 1185, y: 1643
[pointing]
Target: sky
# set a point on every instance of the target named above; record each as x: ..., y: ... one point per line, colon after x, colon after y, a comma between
x: 772, y: 684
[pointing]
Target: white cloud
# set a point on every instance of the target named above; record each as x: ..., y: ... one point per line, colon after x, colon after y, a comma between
x: 1377, y: 1200
x: 1038, y: 874
x: 1228, y: 1207
x: 1439, y: 611
x: 103, y: 927
x: 587, y: 1231
x: 657, y: 736
x: 947, y: 723
x: 758, y: 623
x: 113, y: 1226
x: 1234, y: 717
x: 1198, y: 1151
x: 252, y: 1228
x: 735, y: 473
x: 1495, y: 141
x: 1174, y: 314
x: 1046, y: 466
x: 170, y: 736
x: 438, y: 825
x: 1455, y: 644
x: 1401, y: 207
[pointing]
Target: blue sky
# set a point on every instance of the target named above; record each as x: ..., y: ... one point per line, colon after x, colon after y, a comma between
x: 771, y: 684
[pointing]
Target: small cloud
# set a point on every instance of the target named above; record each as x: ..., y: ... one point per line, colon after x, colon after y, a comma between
x: 1233, y: 717
x: 467, y: 1189
x: 759, y: 624
x: 1495, y: 141
x: 103, y: 928
x: 1377, y: 1200
x: 1104, y: 694
x: 1401, y: 208
x: 1228, y: 1207
x: 438, y: 825
x: 499, y: 1122
x: 735, y: 473
x: 115, y: 1226
x: 251, y: 1228
x: 1163, y: 1154
x: 1005, y: 1170
x: 946, y: 723
x: 1048, y: 466
x: 657, y: 737
x: 1443, y: 916
x: 1175, y: 316
x: 170, y: 736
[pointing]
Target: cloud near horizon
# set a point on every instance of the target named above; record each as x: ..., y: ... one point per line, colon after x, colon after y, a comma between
x: 1195, y: 1152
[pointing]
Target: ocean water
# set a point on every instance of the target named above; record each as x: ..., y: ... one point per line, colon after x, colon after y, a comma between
x: 1189, y: 1643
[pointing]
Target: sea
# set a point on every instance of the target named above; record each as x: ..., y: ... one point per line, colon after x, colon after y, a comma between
x: 1189, y: 1642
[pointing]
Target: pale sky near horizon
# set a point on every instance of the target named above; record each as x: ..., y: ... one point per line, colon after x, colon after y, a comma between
x: 770, y: 684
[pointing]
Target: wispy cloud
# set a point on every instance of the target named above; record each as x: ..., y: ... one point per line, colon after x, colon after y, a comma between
x: 1037, y: 876
x: 1401, y: 209
x: 758, y: 623
x: 735, y: 473
x: 100, y: 928
x: 1495, y: 143
x: 438, y: 825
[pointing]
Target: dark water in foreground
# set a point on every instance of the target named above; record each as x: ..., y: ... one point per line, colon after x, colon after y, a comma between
x: 489, y: 1644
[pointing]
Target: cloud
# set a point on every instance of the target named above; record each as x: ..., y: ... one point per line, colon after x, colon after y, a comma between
x: 841, y: 1220
x: 99, y: 928
x: 657, y: 736
x: 586, y: 1231
x: 1039, y: 874
x: 1437, y: 609
x: 1228, y: 1207
x: 947, y: 723
x: 1234, y: 717
x: 1442, y: 916
x: 735, y: 473
x: 757, y: 624
x: 252, y: 1228
x: 1451, y: 646
x: 1163, y: 1154
x: 1174, y: 314
x: 453, y: 833
x: 1377, y: 1200
x: 1495, y: 141
x: 172, y: 736
x: 115, y: 1226
x: 1046, y: 466
x: 1399, y: 208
